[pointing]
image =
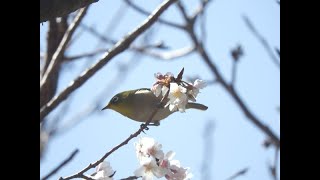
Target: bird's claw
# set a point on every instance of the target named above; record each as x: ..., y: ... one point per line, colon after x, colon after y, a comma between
x: 144, y: 127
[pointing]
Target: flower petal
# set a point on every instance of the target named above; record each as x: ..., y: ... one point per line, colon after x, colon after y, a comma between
x: 199, y: 84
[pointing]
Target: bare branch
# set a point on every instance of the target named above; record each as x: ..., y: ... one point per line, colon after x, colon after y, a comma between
x: 273, y: 169
x: 50, y: 9
x: 55, y: 34
x: 203, y: 27
x: 144, y: 12
x: 75, y: 37
x: 203, y: 53
x: 200, y: 10
x: 85, y: 55
x: 145, y: 49
x: 262, y: 40
x: 130, y: 178
x: 119, y: 15
x: 169, y: 55
x: 117, y: 49
x: 239, y: 173
x: 62, y: 164
x: 59, y: 52
x: 183, y: 12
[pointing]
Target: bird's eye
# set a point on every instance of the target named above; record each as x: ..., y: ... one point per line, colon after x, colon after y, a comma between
x: 115, y: 99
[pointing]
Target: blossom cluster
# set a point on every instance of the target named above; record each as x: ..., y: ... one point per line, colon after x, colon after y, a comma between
x: 153, y: 162
x: 176, y: 90
x: 103, y: 172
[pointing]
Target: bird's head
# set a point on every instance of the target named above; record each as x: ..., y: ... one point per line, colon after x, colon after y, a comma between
x: 122, y: 103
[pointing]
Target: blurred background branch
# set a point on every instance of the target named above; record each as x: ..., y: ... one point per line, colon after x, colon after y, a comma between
x: 262, y: 40
x: 63, y: 163
x: 239, y: 173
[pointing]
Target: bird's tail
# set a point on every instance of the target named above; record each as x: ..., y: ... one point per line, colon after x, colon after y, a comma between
x: 196, y: 106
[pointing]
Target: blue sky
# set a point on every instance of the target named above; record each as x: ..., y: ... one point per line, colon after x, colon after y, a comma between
x: 236, y: 142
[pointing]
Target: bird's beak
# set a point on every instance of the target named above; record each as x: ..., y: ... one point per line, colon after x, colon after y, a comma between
x: 107, y: 107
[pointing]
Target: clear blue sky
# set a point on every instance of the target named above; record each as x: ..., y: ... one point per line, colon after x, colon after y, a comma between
x: 236, y: 142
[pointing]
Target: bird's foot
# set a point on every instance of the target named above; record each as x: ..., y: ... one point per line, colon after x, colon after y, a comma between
x: 146, y: 128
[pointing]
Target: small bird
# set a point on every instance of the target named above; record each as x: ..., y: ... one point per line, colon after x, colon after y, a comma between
x: 139, y: 105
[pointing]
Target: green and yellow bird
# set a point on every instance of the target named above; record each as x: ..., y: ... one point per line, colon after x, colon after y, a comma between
x: 139, y: 104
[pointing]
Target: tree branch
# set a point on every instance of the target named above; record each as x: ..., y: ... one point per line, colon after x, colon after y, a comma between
x: 130, y: 178
x: 54, y: 35
x: 145, y: 49
x: 202, y: 52
x: 167, y: 55
x: 273, y: 168
x: 59, y: 52
x: 262, y: 40
x: 144, y: 12
x: 50, y: 9
x: 66, y: 161
x: 117, y: 49
x: 84, y: 55
x: 239, y: 173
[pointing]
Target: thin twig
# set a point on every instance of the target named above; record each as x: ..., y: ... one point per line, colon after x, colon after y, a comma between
x: 239, y: 173
x: 117, y: 49
x: 273, y: 168
x: 203, y: 27
x: 262, y: 40
x: 119, y: 15
x: 183, y: 12
x: 94, y: 32
x: 85, y: 55
x: 145, y: 49
x: 168, y: 55
x: 62, y: 164
x: 130, y: 178
x: 200, y: 9
x: 144, y: 12
x: 58, y: 53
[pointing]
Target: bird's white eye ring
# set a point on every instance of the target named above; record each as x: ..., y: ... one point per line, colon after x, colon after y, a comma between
x: 115, y: 99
